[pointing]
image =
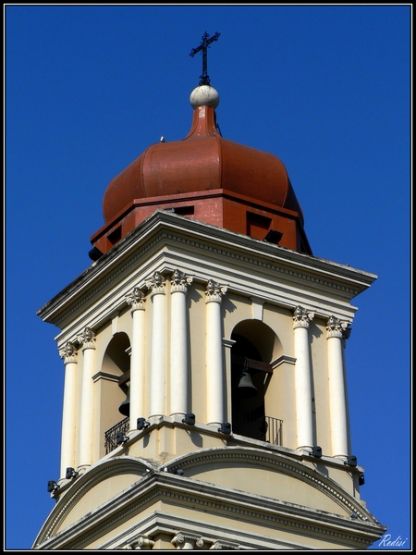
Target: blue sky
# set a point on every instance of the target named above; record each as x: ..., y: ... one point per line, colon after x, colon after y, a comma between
x: 325, y: 88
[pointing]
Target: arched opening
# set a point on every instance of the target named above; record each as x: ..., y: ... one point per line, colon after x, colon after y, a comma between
x: 254, y: 348
x: 114, y: 390
x: 117, y: 360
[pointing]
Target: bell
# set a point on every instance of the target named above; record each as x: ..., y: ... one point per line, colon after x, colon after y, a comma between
x: 124, y: 408
x: 246, y: 386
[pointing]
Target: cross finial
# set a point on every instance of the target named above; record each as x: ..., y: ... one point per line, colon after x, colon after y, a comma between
x: 206, y: 41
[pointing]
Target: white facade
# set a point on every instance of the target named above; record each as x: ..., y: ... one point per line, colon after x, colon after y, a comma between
x: 178, y: 296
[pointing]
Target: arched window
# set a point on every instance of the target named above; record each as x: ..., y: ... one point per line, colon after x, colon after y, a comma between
x: 254, y: 348
x: 247, y: 385
x: 114, y: 394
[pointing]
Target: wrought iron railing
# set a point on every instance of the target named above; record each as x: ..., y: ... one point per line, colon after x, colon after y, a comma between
x: 113, y: 435
x: 274, y: 430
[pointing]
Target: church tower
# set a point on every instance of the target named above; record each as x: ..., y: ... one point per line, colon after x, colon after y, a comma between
x: 205, y: 404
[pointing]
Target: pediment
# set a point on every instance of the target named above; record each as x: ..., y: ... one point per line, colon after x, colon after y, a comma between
x: 272, y: 476
x: 107, y: 480
x: 232, y: 486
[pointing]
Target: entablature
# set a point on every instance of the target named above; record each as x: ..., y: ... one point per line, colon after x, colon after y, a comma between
x: 263, y: 272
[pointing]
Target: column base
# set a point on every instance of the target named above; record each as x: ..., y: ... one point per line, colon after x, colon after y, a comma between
x: 155, y: 418
x: 83, y: 468
x: 304, y: 450
x: 177, y: 416
x: 343, y: 458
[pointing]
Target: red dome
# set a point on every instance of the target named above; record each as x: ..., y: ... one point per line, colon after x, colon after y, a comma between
x: 206, y: 178
x: 200, y: 162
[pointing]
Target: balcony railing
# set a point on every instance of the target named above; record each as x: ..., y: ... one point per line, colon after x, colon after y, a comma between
x: 112, y: 435
x: 274, y: 427
x: 274, y: 430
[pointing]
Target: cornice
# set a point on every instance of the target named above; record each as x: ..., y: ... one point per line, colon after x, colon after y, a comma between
x: 93, y: 476
x: 164, y: 231
x: 161, y: 485
x: 276, y: 462
x: 159, y: 522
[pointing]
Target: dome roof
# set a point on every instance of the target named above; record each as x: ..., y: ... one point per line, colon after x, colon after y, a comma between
x: 207, y: 178
x: 204, y: 160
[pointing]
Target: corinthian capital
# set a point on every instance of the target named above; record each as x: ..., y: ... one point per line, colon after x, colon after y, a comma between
x: 87, y: 338
x: 302, y: 318
x: 180, y: 281
x: 156, y: 284
x: 68, y: 352
x: 178, y: 540
x: 142, y: 542
x: 214, y: 292
x: 337, y: 328
x: 136, y: 299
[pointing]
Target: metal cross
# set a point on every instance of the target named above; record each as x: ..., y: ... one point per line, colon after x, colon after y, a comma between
x: 206, y: 41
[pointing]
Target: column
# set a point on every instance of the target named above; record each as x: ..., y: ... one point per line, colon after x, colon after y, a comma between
x: 183, y: 541
x: 303, y: 378
x: 179, y: 344
x: 87, y: 398
x: 142, y: 542
x: 336, y: 385
x: 69, y: 422
x: 214, y: 355
x: 137, y: 361
x: 158, y: 345
x: 228, y: 345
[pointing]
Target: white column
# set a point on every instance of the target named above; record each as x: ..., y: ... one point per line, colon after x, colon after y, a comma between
x: 303, y: 379
x: 182, y: 541
x: 228, y: 345
x: 336, y: 385
x: 137, y: 361
x: 69, y: 421
x: 87, y: 398
x: 143, y: 543
x: 214, y: 353
x: 158, y: 345
x: 179, y: 344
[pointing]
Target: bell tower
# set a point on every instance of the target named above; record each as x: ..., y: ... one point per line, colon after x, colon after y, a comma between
x: 205, y: 403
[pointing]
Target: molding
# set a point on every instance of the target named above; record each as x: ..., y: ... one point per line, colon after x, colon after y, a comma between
x: 93, y: 476
x: 228, y: 343
x: 157, y: 523
x: 282, y: 360
x: 276, y: 462
x: 158, y: 485
x: 105, y: 376
x: 163, y: 229
x: 274, y: 293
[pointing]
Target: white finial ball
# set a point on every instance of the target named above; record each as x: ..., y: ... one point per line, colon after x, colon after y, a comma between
x: 204, y: 95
